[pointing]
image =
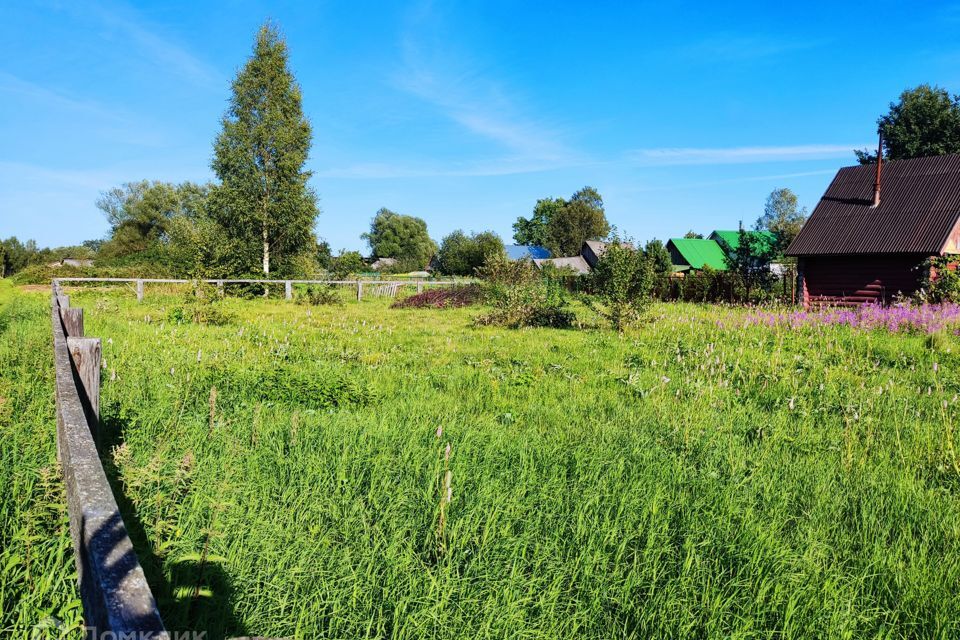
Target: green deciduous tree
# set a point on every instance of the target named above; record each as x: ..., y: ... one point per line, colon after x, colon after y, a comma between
x: 403, y: 238
x: 461, y: 254
x: 751, y: 261
x: 143, y: 216
x: 198, y: 247
x: 324, y: 255
x: 562, y: 225
x: 264, y: 203
x: 346, y: 264
x: 533, y: 230
x: 659, y: 257
x: 661, y: 265
x: 581, y: 218
x: 924, y: 122
x: 783, y: 217
x: 139, y: 214
x: 621, y: 284
x: 17, y: 255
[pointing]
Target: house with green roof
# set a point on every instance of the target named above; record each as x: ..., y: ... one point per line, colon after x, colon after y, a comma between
x: 696, y: 253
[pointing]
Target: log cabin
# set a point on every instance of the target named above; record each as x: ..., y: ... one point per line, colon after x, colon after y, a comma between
x: 872, y: 231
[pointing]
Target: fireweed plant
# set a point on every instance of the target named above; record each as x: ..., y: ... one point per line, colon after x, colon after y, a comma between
x: 923, y: 318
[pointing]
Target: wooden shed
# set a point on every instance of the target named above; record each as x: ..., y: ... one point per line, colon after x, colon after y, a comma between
x: 872, y: 230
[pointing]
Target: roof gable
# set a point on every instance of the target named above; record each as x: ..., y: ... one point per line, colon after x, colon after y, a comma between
x: 698, y: 252
x: 919, y: 208
x: 575, y: 263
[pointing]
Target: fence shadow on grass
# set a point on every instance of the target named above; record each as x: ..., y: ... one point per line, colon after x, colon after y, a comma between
x: 198, y: 596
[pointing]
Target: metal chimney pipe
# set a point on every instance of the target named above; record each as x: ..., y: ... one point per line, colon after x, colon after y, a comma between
x: 876, y: 182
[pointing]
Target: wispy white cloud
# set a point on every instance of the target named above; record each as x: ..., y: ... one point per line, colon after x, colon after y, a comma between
x: 640, y: 158
x: 27, y: 175
x: 738, y: 155
x: 681, y: 186
x: 14, y: 85
x: 107, y: 122
x: 460, y: 88
x: 482, y: 168
x: 162, y: 50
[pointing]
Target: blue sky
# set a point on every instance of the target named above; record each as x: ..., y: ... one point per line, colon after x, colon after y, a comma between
x: 683, y: 115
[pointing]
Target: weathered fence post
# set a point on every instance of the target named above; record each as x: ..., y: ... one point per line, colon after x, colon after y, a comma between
x: 220, y: 288
x: 419, y: 286
x: 85, y: 353
x: 359, y: 290
x: 72, y: 318
x: 63, y: 300
x: 288, y: 290
x: 139, y: 290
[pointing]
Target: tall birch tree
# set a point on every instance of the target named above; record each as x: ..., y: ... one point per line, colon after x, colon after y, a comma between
x: 264, y: 202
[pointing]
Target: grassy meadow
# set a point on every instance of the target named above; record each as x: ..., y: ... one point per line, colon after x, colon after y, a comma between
x: 37, y: 573
x: 287, y: 474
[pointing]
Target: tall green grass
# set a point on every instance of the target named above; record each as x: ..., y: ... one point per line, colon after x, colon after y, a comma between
x: 38, y: 593
x: 683, y: 480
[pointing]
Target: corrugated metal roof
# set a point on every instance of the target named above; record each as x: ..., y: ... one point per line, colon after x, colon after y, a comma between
x: 522, y: 251
x: 599, y: 247
x: 577, y: 263
x: 919, y: 207
x: 699, y: 252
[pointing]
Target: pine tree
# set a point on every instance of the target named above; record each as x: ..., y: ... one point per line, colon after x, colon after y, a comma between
x: 263, y: 202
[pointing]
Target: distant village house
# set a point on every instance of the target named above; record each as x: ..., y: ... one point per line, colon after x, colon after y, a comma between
x: 590, y: 253
x: 696, y: 254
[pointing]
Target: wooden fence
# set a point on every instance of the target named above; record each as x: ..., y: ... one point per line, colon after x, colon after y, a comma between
x: 373, y: 287
x: 117, y: 601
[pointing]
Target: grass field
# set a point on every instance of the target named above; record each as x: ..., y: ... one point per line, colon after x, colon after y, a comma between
x: 283, y: 475
x: 37, y: 575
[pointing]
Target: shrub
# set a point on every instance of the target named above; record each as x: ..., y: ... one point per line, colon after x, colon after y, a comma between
x: 942, y: 281
x: 200, y: 306
x: 320, y: 295
x: 522, y: 297
x: 620, y: 285
x: 441, y: 298
x: 709, y: 285
x: 199, y: 314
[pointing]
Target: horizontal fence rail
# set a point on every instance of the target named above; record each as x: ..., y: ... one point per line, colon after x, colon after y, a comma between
x: 375, y: 287
x: 117, y: 601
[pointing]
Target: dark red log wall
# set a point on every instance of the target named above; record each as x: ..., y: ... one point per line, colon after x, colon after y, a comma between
x: 859, y: 279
